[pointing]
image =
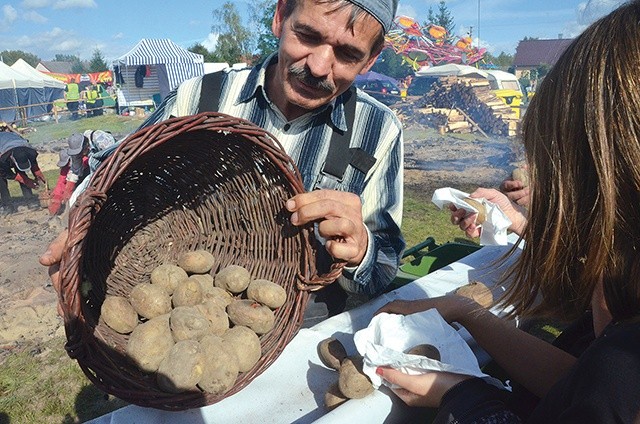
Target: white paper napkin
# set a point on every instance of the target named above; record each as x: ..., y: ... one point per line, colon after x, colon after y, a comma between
x: 388, y: 336
x: 494, y: 228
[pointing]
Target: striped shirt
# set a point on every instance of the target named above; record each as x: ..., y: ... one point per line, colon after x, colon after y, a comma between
x: 306, y: 140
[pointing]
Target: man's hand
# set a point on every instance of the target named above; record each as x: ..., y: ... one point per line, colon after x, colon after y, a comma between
x: 39, y: 175
x: 51, y: 258
x: 339, y: 217
x: 516, y: 192
x: 23, y: 179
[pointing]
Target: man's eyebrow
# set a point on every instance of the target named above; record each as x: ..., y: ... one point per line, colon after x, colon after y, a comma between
x: 309, y: 30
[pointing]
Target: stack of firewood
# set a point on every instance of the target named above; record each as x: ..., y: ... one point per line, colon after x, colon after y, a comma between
x: 469, y: 105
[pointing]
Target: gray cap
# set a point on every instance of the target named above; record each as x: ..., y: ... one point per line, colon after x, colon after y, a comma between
x: 383, y: 10
x: 76, y: 144
x: 63, y: 158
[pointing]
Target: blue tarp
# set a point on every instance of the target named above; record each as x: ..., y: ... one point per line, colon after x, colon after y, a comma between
x: 375, y: 76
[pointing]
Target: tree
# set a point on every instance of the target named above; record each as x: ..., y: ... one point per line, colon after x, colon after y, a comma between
x: 442, y: 18
x: 502, y: 61
x: 262, y: 15
x: 391, y: 64
x: 234, y: 40
x: 206, y: 54
x: 76, y: 65
x: 97, y: 63
x: 10, y: 57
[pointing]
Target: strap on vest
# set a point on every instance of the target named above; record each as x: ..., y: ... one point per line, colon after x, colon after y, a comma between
x: 212, y: 86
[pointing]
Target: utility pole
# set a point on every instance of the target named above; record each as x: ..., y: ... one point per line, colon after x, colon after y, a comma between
x: 478, y: 23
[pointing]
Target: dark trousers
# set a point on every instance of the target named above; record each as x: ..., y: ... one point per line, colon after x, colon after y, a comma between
x: 5, y: 197
x: 323, y: 304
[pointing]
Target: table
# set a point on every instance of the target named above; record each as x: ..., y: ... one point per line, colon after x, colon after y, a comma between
x: 292, y: 389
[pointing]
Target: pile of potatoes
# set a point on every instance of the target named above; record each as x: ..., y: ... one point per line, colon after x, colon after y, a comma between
x: 192, y: 330
x: 352, y: 382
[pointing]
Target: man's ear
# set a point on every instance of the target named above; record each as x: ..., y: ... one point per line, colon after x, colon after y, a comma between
x: 278, y: 18
x: 370, y: 63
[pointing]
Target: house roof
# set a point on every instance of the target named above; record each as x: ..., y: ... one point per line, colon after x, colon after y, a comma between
x: 538, y: 52
x: 55, y: 67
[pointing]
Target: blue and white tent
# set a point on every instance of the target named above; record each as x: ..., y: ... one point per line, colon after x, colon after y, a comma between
x: 152, y: 69
x: 19, y: 91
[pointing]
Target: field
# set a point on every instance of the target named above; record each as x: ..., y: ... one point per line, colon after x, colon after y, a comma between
x: 39, y: 382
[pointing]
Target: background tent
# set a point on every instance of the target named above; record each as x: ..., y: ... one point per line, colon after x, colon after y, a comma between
x: 375, y: 76
x: 153, y: 67
x: 53, y: 88
x: 452, y: 69
x: 17, y: 89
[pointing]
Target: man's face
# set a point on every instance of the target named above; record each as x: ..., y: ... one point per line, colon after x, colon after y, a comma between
x: 319, y: 56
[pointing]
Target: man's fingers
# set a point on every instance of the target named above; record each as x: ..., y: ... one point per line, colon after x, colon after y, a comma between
x: 53, y: 254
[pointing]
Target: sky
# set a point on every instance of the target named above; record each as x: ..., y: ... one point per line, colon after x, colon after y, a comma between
x: 79, y: 27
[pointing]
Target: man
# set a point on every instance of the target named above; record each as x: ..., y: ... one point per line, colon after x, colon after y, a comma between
x: 299, y: 95
x: 72, y: 97
x: 17, y: 158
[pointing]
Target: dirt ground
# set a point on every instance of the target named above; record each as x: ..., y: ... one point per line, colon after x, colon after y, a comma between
x: 28, y: 302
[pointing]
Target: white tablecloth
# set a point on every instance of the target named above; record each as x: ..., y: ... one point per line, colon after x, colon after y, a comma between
x: 292, y: 389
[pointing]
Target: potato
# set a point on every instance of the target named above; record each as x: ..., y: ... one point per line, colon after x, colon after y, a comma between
x: 150, y: 342
x: 334, y: 397
x: 482, y: 211
x: 188, y: 322
x: 426, y: 350
x: 221, y: 367
x: 218, y: 318
x: 267, y: 292
x: 246, y: 344
x: 206, y: 283
x: 219, y: 296
x: 182, y: 368
x: 353, y: 383
x: 150, y: 300
x: 118, y: 314
x: 187, y: 293
x: 251, y: 314
x: 233, y: 278
x: 478, y: 292
x: 168, y: 276
x: 196, y: 262
x: 331, y: 352
x: 520, y: 174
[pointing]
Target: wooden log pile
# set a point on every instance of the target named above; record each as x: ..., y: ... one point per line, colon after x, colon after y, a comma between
x: 474, y: 101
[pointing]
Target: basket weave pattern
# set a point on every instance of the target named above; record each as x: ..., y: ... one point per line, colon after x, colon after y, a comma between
x: 207, y: 181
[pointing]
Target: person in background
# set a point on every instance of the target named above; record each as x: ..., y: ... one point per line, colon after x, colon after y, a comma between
x: 90, y: 98
x: 57, y: 195
x: 78, y: 149
x: 72, y: 97
x: 300, y: 94
x: 17, y: 157
x: 581, y: 263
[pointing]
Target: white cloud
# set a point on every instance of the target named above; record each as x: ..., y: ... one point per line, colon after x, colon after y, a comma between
x: 9, y: 16
x: 34, y: 17
x: 35, y: 4
x: 71, y: 4
x: 70, y: 46
x: 210, y: 42
x: 118, y: 36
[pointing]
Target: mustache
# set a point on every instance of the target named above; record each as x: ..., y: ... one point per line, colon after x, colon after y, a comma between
x: 302, y: 73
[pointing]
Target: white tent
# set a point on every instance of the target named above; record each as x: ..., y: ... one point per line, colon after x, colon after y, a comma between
x: 17, y: 89
x: 452, y: 69
x: 152, y: 69
x: 53, y: 88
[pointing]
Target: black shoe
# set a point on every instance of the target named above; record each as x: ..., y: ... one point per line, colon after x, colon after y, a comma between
x: 7, y: 210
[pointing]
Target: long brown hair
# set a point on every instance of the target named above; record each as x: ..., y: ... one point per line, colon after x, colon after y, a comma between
x: 582, y: 140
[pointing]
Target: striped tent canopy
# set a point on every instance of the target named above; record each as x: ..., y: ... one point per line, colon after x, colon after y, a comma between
x: 177, y: 63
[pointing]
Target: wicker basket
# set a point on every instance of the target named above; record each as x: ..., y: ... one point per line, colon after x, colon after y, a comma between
x: 207, y: 181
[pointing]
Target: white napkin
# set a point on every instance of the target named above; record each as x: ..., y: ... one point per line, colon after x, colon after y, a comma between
x: 388, y: 336
x: 494, y: 228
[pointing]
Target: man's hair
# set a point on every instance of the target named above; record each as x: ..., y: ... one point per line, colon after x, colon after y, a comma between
x: 356, y: 13
x: 581, y: 134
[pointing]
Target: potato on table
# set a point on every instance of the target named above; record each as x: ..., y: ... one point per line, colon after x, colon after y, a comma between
x: 150, y: 300
x: 426, y: 350
x: 352, y: 381
x: 267, y: 292
x: 196, y: 262
x: 246, y: 344
x: 182, y: 368
x: 251, y: 314
x: 331, y: 352
x: 118, y: 314
x: 150, y: 342
x: 334, y: 397
x: 221, y: 366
